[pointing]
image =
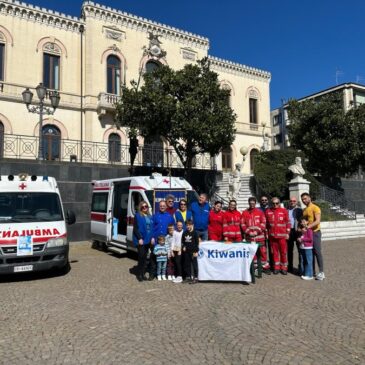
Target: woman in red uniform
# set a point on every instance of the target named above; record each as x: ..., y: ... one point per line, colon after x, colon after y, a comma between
x: 215, y: 225
x: 232, y: 223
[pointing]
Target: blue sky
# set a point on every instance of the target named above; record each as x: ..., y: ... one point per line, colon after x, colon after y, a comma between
x: 302, y: 43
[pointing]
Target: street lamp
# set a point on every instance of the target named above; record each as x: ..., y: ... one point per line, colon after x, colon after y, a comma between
x: 243, y: 152
x: 41, y: 109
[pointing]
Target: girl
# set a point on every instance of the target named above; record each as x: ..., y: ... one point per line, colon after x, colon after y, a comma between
x: 305, y: 241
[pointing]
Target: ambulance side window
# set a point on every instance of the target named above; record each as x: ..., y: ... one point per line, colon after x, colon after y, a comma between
x: 136, y: 199
x: 99, y: 202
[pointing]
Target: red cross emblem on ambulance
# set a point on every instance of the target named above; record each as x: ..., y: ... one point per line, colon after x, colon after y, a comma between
x: 22, y: 186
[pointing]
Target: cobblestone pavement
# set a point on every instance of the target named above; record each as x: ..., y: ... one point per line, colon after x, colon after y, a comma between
x: 99, y: 314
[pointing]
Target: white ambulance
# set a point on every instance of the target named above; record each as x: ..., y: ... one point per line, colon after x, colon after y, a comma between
x: 33, y: 233
x: 115, y: 202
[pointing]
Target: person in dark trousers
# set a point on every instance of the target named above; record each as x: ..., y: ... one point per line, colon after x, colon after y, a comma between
x: 200, y: 211
x: 295, y: 215
x: 142, y: 237
x: 264, y: 205
x: 190, y: 248
x: 133, y: 150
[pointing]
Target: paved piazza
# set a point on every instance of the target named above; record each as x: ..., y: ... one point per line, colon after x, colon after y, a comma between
x: 99, y: 314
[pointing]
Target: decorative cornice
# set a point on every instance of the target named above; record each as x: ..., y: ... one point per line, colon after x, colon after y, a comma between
x: 233, y: 67
x: 118, y: 17
x: 40, y: 15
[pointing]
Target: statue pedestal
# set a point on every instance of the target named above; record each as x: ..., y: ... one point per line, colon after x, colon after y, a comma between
x: 297, y: 187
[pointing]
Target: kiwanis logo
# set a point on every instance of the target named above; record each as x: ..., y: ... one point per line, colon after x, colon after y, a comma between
x: 201, y: 253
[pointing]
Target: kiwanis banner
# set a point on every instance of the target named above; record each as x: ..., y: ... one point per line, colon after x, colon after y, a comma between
x: 225, y: 261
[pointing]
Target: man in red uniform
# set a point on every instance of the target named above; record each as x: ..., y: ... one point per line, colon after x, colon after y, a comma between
x: 253, y: 224
x: 279, y: 228
x: 232, y: 223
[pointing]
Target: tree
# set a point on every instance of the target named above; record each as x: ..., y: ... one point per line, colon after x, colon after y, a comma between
x: 186, y: 107
x: 328, y: 136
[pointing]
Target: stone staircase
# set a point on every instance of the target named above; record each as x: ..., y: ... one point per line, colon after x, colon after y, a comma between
x: 243, y: 195
x: 347, y: 229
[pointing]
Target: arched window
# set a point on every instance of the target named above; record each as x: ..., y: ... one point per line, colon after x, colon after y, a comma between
x: 51, y: 66
x: 114, y: 147
x: 153, y: 152
x: 253, y: 99
x: 253, y: 154
x: 228, y: 88
x: 113, y: 75
x: 152, y: 66
x: 2, y: 60
x: 1, y: 140
x: 227, y: 159
x: 51, y: 142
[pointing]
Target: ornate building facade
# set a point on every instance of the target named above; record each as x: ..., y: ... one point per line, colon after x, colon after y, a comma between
x: 87, y: 60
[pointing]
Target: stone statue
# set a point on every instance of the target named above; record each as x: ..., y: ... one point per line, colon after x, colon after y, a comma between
x: 297, y: 168
x: 234, y: 182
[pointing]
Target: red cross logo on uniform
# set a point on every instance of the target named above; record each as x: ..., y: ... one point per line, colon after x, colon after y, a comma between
x: 22, y: 186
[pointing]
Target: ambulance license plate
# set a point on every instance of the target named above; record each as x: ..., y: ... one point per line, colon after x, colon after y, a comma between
x: 23, y: 268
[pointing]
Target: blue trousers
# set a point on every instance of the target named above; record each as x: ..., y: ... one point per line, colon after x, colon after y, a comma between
x: 203, y: 234
x: 306, y: 262
x: 161, y: 267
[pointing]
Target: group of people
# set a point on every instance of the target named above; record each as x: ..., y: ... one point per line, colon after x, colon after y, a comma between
x: 170, y: 237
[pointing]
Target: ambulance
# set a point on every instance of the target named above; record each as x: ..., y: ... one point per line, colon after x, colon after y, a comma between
x: 33, y: 234
x: 115, y: 203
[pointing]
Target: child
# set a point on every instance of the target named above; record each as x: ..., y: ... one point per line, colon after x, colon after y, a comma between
x: 190, y: 247
x: 176, y: 251
x: 161, y: 253
x: 306, y: 250
x: 170, y: 260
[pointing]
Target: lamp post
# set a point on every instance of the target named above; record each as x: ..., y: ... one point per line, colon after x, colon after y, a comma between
x: 41, y: 108
x: 243, y: 152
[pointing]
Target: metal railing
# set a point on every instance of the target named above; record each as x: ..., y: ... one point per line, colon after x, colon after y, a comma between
x: 338, y: 199
x: 57, y: 149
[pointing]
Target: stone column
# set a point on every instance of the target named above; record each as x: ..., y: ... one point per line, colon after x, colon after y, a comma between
x: 298, y: 186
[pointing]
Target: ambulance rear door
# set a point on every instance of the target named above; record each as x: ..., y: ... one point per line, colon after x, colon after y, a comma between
x: 100, y: 212
x: 119, y: 214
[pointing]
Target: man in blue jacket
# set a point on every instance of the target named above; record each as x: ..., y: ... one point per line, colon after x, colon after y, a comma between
x: 160, y: 222
x: 200, y: 211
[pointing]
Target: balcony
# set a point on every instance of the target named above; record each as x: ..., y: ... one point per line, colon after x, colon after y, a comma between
x: 55, y: 149
x: 106, y: 103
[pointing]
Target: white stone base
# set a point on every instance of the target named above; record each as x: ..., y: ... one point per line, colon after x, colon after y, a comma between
x: 297, y: 187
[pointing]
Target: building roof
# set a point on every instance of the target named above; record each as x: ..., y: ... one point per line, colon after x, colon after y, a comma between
x: 230, y: 66
x: 345, y: 85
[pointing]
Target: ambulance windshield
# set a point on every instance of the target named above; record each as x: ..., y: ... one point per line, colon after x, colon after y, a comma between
x: 30, y: 207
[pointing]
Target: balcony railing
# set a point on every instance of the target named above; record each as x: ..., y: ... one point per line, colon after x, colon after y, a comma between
x: 56, y: 149
x: 106, y: 102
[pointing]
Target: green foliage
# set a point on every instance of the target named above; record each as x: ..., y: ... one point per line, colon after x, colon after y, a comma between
x: 332, y: 140
x: 186, y: 107
x: 272, y: 174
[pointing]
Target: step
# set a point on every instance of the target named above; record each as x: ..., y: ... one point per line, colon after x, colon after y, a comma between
x: 117, y: 250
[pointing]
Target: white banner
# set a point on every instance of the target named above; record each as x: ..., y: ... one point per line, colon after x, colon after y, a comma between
x: 225, y: 261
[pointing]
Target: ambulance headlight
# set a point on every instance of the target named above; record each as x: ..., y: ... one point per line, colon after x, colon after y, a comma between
x: 56, y: 242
